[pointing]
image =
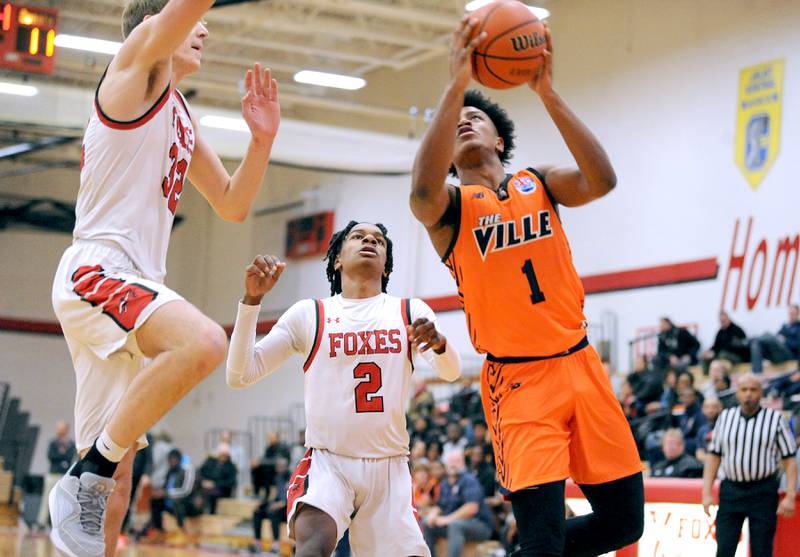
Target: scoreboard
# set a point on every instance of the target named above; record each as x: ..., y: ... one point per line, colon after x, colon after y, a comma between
x: 27, y: 38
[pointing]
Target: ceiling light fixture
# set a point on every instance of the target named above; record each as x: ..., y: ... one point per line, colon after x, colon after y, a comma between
x: 17, y: 89
x: 541, y: 13
x: 325, y: 79
x: 87, y: 43
x: 224, y: 123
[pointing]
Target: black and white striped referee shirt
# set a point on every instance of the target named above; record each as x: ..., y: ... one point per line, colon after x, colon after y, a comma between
x: 751, y: 448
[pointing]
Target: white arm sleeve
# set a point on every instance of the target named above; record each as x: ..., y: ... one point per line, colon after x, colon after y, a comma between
x: 447, y: 364
x: 249, y: 362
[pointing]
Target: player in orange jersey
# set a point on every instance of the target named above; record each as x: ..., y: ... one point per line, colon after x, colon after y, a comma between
x: 549, y: 404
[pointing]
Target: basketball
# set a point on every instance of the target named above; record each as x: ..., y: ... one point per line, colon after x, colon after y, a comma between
x: 512, y: 51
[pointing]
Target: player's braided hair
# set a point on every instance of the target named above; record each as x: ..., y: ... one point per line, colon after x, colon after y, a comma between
x: 135, y: 12
x: 335, y: 247
x: 499, y: 117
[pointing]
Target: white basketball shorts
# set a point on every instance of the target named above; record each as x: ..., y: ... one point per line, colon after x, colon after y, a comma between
x: 372, y: 497
x: 100, y: 299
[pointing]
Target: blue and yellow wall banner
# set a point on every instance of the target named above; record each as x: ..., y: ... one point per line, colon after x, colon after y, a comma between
x: 758, y: 119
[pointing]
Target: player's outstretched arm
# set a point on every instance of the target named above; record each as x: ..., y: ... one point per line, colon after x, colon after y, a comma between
x: 141, y: 69
x: 594, y: 176
x: 160, y: 35
x: 429, y: 192
x: 231, y: 197
x: 426, y: 338
x: 249, y: 362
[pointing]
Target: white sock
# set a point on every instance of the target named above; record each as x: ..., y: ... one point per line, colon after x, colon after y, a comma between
x: 106, y: 446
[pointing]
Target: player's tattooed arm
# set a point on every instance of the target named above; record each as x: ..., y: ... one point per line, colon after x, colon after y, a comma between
x: 594, y: 177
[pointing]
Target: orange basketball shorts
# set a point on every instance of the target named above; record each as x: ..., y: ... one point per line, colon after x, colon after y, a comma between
x: 556, y: 418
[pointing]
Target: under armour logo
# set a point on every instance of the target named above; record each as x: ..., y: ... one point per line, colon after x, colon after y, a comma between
x: 478, y: 195
x: 333, y: 319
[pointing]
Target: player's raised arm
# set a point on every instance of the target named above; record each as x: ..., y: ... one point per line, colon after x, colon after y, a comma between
x: 429, y: 192
x: 249, y: 362
x: 594, y: 176
x: 425, y: 337
x: 231, y: 197
x: 157, y: 38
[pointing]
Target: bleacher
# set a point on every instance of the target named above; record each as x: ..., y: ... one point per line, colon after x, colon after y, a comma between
x: 17, y: 443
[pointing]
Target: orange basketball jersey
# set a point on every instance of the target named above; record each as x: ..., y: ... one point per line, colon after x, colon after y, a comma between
x: 513, y: 266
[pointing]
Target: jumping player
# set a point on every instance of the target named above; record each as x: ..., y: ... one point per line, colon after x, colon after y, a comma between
x: 140, y: 145
x: 550, y: 406
x: 359, y: 346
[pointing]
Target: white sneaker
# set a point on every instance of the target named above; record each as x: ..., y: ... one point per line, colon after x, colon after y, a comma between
x: 78, y: 512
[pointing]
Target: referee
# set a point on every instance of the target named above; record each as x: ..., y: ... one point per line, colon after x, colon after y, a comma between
x: 750, y: 443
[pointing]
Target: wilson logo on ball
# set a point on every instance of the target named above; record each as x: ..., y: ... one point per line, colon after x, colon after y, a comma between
x: 524, y: 42
x: 512, y: 51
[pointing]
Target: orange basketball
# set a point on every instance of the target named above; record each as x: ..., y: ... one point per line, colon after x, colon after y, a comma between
x: 512, y: 51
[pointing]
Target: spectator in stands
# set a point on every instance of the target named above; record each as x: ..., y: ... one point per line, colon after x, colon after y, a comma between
x: 238, y: 457
x: 483, y: 470
x: 417, y: 453
x: 437, y: 424
x: 712, y: 407
x: 217, y: 478
x: 645, y: 382
x: 676, y: 463
x: 262, y: 471
x: 466, y: 403
x: 684, y: 381
x: 174, y: 498
x: 669, y: 393
x: 717, y: 370
x: 481, y: 433
x: 419, y: 430
x: 437, y: 470
x: 434, y: 452
x: 616, y: 378
x: 730, y: 344
x: 456, y: 441
x: 61, y: 453
x: 628, y: 402
x: 273, y: 508
x: 461, y: 514
x: 691, y: 419
x: 298, y: 450
x: 677, y: 347
x: 161, y: 448
x: 778, y: 348
x: 786, y: 386
x: 426, y: 488
x: 421, y: 402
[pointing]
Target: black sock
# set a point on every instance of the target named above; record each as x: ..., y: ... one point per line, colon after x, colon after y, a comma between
x: 95, y: 463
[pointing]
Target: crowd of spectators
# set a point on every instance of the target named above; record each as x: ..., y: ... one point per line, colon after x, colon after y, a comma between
x: 672, y: 418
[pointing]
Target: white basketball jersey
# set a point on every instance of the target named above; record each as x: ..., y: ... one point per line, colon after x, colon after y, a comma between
x: 132, y: 175
x: 357, y: 376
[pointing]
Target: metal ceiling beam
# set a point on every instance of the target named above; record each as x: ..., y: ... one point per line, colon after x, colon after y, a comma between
x: 33, y: 146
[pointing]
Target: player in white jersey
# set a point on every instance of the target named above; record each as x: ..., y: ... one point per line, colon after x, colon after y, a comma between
x: 140, y: 145
x: 359, y: 347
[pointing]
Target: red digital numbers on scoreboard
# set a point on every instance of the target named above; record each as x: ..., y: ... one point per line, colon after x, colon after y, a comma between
x: 27, y: 38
